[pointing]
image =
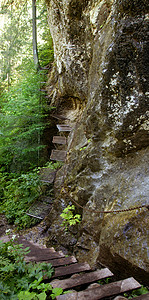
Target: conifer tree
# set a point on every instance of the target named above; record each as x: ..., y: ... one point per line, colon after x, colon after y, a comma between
x: 18, y: 4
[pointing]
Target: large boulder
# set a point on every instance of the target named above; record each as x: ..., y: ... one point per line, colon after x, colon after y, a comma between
x: 101, y: 54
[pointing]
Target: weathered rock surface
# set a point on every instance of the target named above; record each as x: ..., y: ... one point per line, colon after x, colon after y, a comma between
x: 100, y: 82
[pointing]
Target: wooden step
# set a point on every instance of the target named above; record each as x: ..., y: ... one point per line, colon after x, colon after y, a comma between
x: 59, y: 140
x: 62, y: 261
x: 42, y: 256
x: 120, y: 298
x: 70, y: 296
x: 64, y: 127
x: 47, y: 175
x: 81, y: 279
x: 32, y: 215
x: 67, y: 266
x: 59, y: 117
x: 107, y: 290
x: 58, y: 155
x: 72, y: 269
x: 40, y: 208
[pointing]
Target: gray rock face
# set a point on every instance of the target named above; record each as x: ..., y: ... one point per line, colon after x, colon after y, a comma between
x: 101, y: 55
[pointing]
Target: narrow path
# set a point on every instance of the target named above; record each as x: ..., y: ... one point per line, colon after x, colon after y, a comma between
x: 71, y: 275
x: 79, y: 277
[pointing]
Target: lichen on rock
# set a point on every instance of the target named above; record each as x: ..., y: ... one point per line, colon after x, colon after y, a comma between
x: 101, y: 60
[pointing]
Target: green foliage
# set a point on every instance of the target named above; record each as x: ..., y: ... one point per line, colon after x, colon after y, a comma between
x: 18, y: 194
x: 15, y: 38
x: 69, y: 217
x: 129, y: 295
x: 23, y: 109
x: 19, y: 280
x: 83, y: 148
x: 46, y: 55
x: 141, y: 291
x: 22, y: 121
x: 104, y: 281
x: 54, y: 166
x: 45, y: 44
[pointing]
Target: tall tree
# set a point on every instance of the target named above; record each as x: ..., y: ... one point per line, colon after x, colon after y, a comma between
x: 34, y: 31
x: 21, y: 120
x: 14, y: 40
x: 17, y: 4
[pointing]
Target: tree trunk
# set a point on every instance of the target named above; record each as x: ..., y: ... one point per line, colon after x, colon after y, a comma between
x: 34, y: 30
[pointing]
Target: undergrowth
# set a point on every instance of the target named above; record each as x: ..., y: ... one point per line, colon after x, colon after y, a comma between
x: 23, y: 281
x: 129, y: 295
x: 17, y: 194
x: 69, y: 218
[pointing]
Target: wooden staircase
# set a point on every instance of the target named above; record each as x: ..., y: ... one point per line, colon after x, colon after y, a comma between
x: 59, y: 140
x: 79, y: 277
x: 71, y: 275
x: 60, y: 155
x: 64, y: 128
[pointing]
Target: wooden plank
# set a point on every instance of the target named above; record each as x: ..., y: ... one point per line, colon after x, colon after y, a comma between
x: 120, y: 298
x: 37, y: 217
x: 47, y: 175
x: 59, y: 117
x: 64, y: 127
x: 59, y: 140
x: 62, y: 261
x: 58, y: 155
x: 107, y: 290
x: 82, y: 279
x: 110, y: 289
x: 45, y: 252
x: 34, y: 247
x: 72, y: 269
x: 142, y: 297
x: 40, y: 208
x: 69, y: 296
x: 42, y: 256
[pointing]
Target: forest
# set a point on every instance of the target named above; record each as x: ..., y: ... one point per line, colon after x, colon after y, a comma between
x: 23, y: 106
x: 75, y: 71
x: 23, y: 119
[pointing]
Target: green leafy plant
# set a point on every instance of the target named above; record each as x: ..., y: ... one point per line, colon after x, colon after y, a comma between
x: 104, y: 281
x: 141, y: 291
x: 83, y: 148
x: 19, y: 280
x: 69, y: 217
x: 18, y: 194
x: 54, y: 166
x: 22, y: 122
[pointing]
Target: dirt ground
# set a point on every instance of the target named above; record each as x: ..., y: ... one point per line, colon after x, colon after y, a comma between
x: 34, y: 234
x: 3, y: 224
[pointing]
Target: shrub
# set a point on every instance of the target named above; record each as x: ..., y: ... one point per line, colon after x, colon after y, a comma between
x: 22, y: 281
x: 19, y: 193
x: 69, y: 217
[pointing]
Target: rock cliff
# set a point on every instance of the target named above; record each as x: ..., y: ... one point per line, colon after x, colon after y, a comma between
x: 100, y: 82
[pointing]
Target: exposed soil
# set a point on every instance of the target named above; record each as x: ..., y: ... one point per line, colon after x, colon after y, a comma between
x: 34, y: 234
x: 3, y: 224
